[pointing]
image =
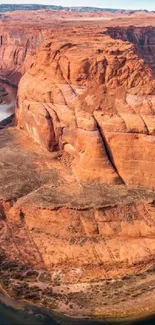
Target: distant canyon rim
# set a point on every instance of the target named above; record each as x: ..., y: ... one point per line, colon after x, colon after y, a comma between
x: 77, y: 178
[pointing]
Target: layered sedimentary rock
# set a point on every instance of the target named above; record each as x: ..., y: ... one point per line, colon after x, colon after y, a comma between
x: 95, y: 101
x: 77, y: 179
x: 142, y: 37
x: 17, y: 47
x: 80, y: 249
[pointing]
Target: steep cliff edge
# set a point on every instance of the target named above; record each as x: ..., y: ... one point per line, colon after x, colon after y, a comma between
x: 18, y: 44
x: 77, y: 228
x: 142, y: 37
x: 83, y: 250
x: 99, y: 90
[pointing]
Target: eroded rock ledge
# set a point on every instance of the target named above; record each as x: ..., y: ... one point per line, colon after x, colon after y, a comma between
x: 85, y: 250
x: 143, y: 39
x: 77, y: 202
x: 95, y: 100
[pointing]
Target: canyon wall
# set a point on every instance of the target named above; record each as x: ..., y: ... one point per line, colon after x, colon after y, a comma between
x: 17, y: 46
x: 80, y: 249
x: 76, y: 175
x: 142, y: 37
x: 93, y: 98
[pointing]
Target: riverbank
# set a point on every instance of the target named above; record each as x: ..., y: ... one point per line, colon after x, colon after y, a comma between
x: 8, y: 99
x: 24, y: 313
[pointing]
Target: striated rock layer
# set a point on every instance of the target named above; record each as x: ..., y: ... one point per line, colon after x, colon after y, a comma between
x: 77, y: 228
x: 83, y: 250
x: 142, y: 37
x: 96, y: 101
x: 18, y: 44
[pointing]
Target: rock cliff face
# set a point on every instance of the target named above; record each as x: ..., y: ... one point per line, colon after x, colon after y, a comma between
x: 80, y: 249
x: 95, y: 101
x: 77, y: 199
x: 17, y: 47
x: 142, y: 37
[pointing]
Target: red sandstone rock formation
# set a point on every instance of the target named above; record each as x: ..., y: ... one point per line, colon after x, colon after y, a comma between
x: 76, y: 207
x: 142, y: 37
x: 17, y: 47
x: 96, y: 101
x: 82, y: 249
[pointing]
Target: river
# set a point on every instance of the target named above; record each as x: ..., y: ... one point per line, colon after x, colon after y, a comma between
x: 8, y: 104
x: 33, y: 316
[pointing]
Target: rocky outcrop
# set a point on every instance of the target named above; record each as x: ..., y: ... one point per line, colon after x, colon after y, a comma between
x: 95, y: 101
x: 17, y: 47
x: 142, y: 37
x: 82, y: 250
x: 77, y: 197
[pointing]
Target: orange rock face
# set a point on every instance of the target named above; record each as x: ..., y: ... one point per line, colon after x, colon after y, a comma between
x: 142, y: 37
x: 17, y: 47
x: 81, y: 249
x: 94, y: 100
x: 78, y: 171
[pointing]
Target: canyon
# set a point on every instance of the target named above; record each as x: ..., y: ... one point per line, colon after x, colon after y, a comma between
x: 77, y: 181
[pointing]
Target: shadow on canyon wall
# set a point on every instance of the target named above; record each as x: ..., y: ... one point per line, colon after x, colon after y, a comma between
x: 143, y: 39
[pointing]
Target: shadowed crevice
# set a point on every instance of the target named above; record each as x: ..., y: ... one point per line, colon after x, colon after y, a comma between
x: 108, y: 152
